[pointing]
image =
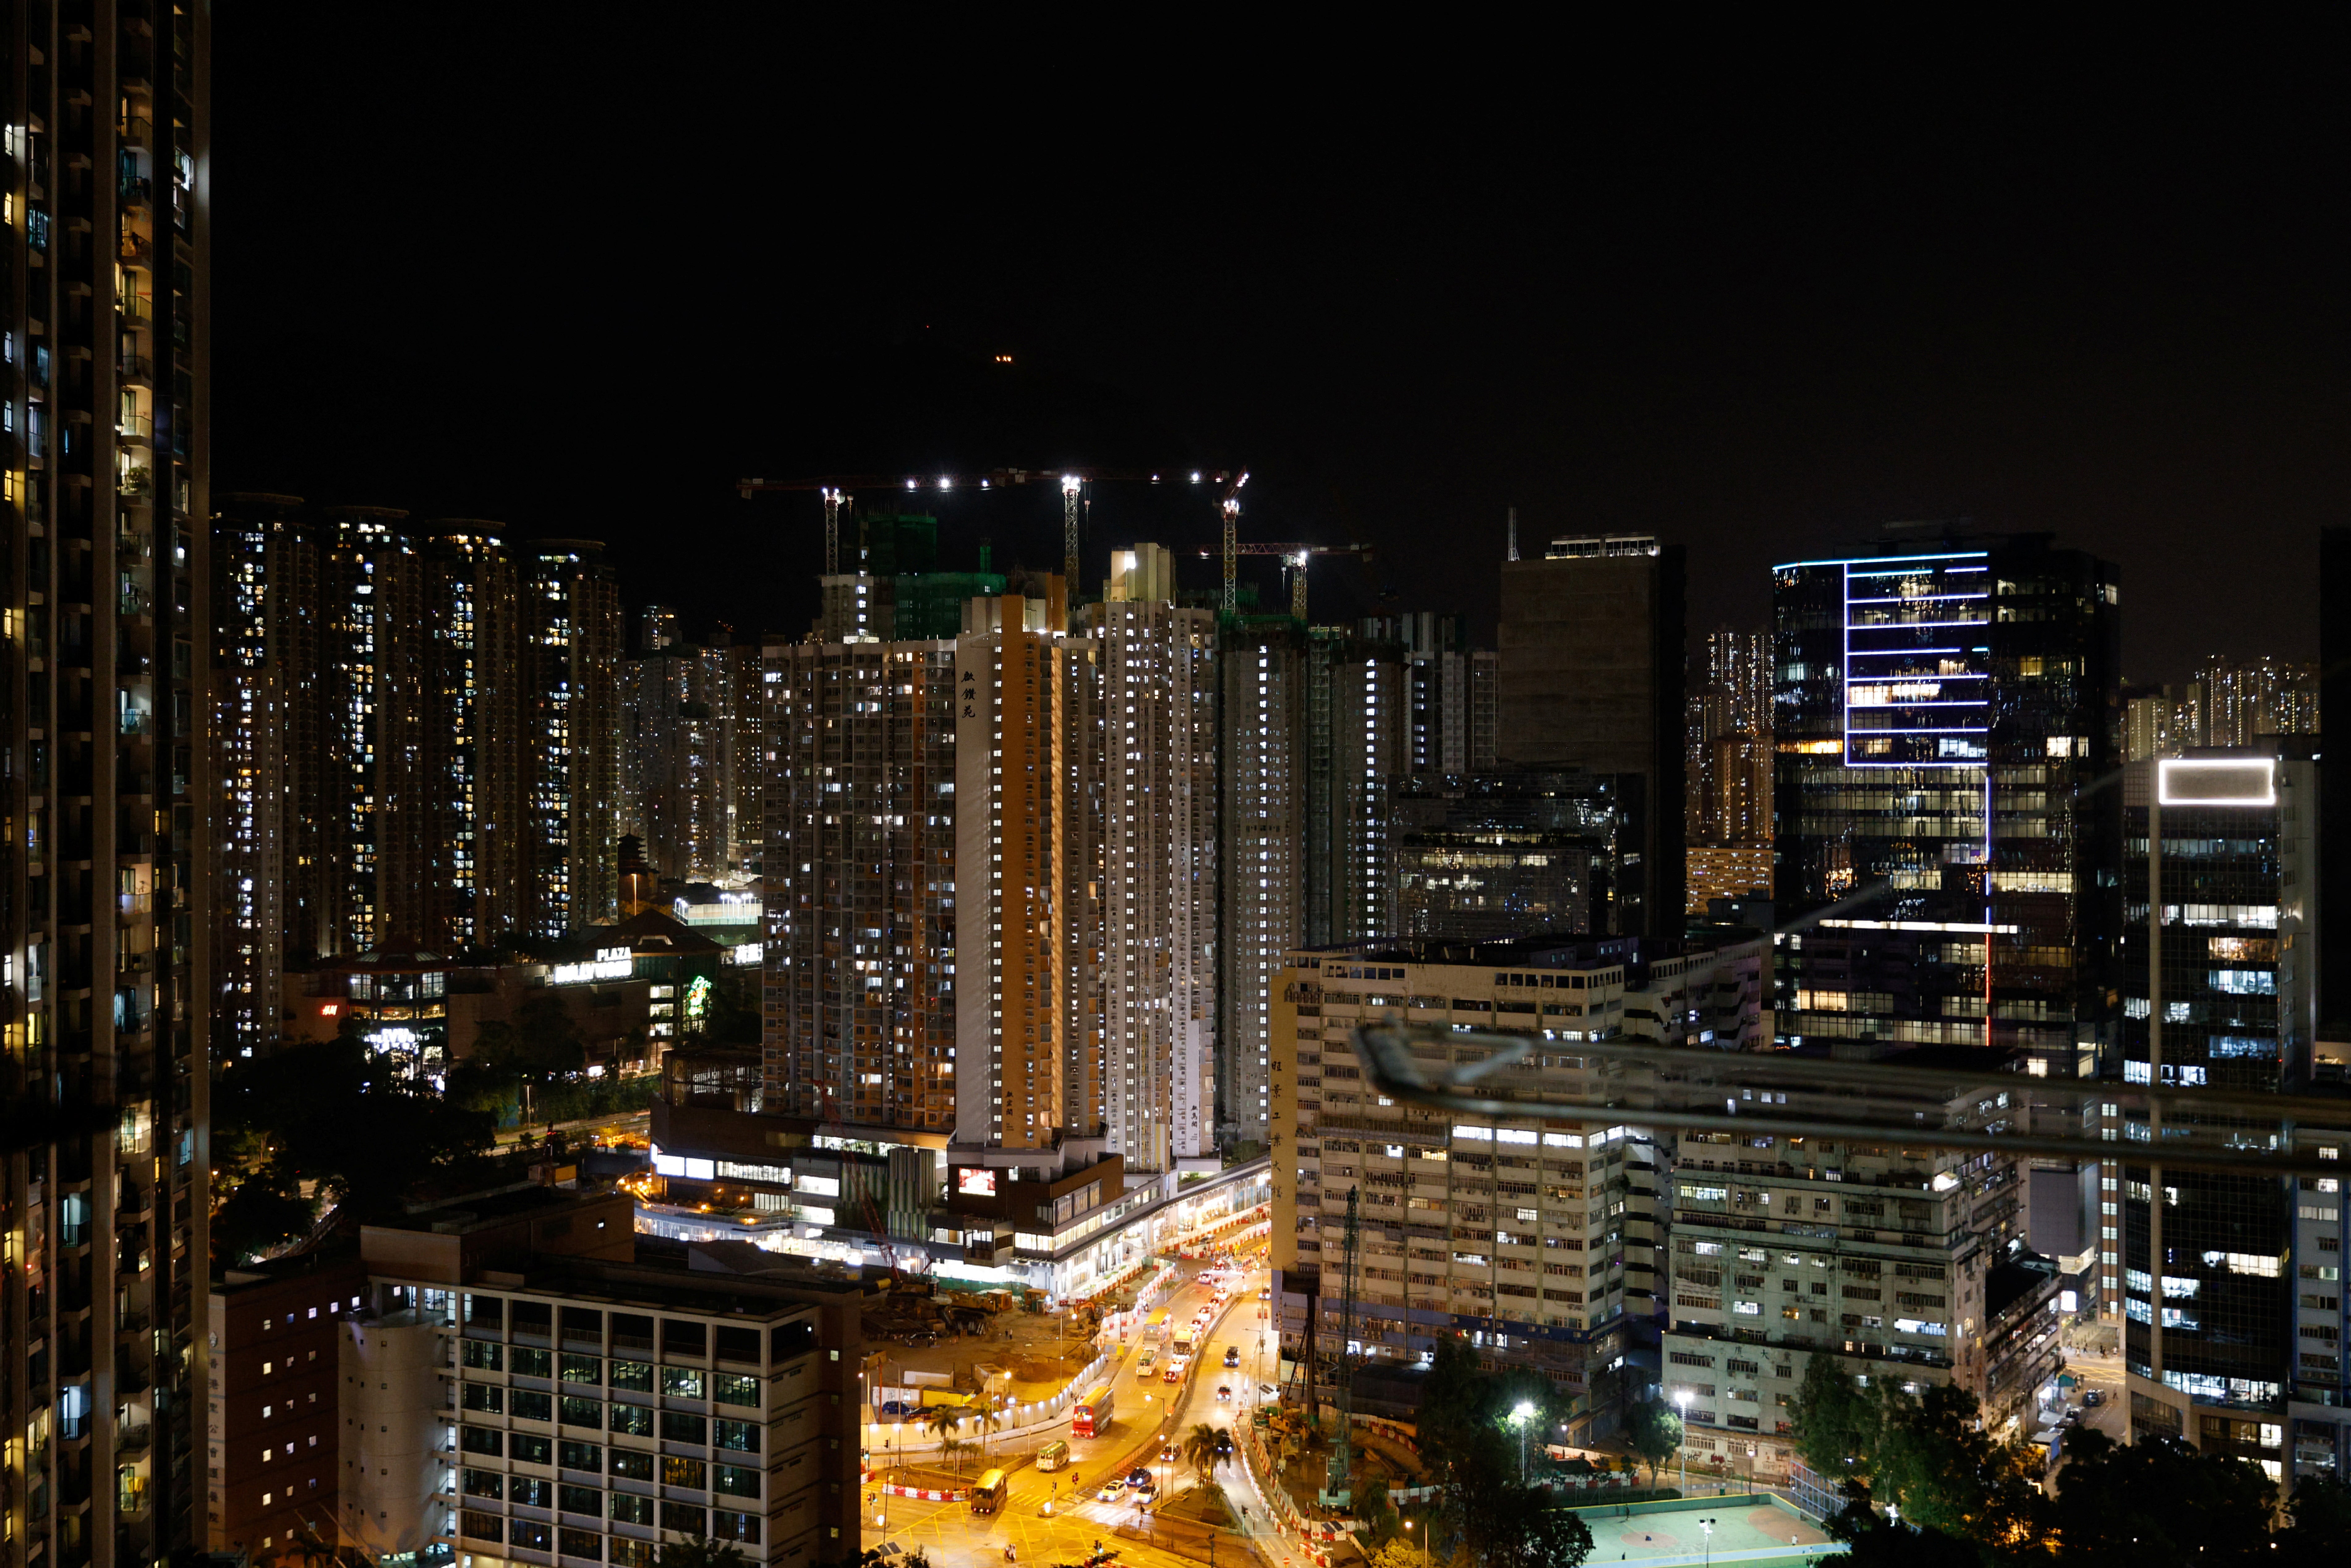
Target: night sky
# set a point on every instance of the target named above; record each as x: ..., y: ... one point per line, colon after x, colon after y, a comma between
x: 578, y: 273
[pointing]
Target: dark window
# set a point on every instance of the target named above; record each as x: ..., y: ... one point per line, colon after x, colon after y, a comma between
x: 633, y: 1419
x: 631, y: 1465
x: 536, y: 1318
x: 679, y: 1426
x: 586, y: 1457
x: 684, y: 1517
x: 530, y: 1451
x: 481, y: 1441
x: 692, y: 1474
x: 578, y: 1412
x: 583, y: 1325
x: 535, y: 1536
x: 583, y: 1369
x: 485, y: 1484
x: 483, y: 1526
x: 736, y: 1480
x: 636, y: 1376
x: 738, y: 1345
x: 728, y: 1526
x: 630, y: 1508
x: 485, y: 1355
x: 530, y: 1493
x: 588, y: 1501
x: 791, y: 1339
x: 627, y: 1554
x: 532, y: 1363
x: 485, y: 1397
x: 631, y: 1331
x: 743, y: 1437
x: 484, y: 1312
x: 680, y: 1337
x: 587, y: 1543
x: 533, y: 1406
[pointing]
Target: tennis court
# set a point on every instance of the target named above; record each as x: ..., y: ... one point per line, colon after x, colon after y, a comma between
x: 1754, y: 1533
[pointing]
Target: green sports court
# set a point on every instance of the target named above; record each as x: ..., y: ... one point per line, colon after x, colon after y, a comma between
x: 1759, y: 1531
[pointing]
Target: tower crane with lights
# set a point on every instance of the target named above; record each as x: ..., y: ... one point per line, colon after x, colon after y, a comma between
x: 1293, y: 561
x: 1076, y: 486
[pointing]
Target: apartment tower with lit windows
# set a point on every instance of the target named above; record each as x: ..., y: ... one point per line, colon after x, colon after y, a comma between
x: 1261, y: 896
x: 105, y: 596
x: 1158, y: 907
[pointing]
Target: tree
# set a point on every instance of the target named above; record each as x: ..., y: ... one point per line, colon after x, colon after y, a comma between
x: 2159, y: 1500
x: 1400, y: 1553
x: 1201, y: 1451
x: 2321, y: 1531
x: 265, y: 1211
x: 1835, y: 1421
x: 1499, y: 1523
x: 699, y: 1552
x: 535, y: 1049
x: 1653, y: 1428
x: 1946, y: 1473
x: 1379, y: 1516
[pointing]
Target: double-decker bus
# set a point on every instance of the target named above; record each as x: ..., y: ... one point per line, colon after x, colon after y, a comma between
x: 1090, y: 1417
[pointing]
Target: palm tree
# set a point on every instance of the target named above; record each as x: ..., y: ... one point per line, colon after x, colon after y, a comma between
x: 988, y: 1418
x: 942, y: 1420
x: 955, y: 1448
x: 1204, y: 1450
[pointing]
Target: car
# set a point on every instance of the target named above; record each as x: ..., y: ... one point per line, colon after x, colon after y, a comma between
x: 1174, y: 1373
x: 1232, y: 1356
x: 1145, y: 1488
x: 1265, y: 1293
x: 1114, y: 1492
x: 1139, y: 1479
x: 1223, y: 1391
x: 897, y: 1408
x: 1204, y: 1279
x: 2092, y: 1396
x: 1166, y: 1453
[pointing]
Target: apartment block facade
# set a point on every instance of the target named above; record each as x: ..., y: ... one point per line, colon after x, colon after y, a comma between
x: 1538, y: 1236
x: 859, y: 949
x: 1904, y: 1264
x: 415, y: 738
x: 1262, y: 758
x: 1160, y: 865
x: 105, y: 611
x: 690, y: 719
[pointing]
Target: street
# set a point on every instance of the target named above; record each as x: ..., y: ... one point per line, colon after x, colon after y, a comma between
x: 950, y: 1534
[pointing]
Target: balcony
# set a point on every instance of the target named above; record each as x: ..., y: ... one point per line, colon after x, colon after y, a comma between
x: 135, y: 248
x: 135, y: 367
x: 134, y: 427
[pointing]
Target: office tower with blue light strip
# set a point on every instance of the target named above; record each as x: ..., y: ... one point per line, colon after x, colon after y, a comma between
x: 1946, y: 712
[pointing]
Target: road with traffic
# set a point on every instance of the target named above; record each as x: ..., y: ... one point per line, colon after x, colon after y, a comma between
x: 1063, y: 1516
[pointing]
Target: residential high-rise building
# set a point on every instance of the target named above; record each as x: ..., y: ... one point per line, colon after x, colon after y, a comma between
x: 1359, y: 735
x: 2219, y: 987
x: 476, y: 743
x: 2334, y: 783
x: 1944, y: 710
x: 1591, y: 676
x: 860, y: 937
x: 106, y: 645
x: 1028, y: 1041
x: 1482, y: 857
x: 1157, y: 670
x: 1730, y: 750
x: 686, y: 732
x: 1262, y: 746
x: 570, y: 691
x: 2250, y: 699
x: 656, y: 628
x: 250, y: 711
x: 1450, y: 691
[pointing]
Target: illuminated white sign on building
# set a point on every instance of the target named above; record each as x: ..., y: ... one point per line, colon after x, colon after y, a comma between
x: 2216, y: 781
x: 612, y: 963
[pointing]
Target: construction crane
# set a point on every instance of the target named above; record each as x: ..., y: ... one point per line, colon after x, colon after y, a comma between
x: 1077, y: 501
x: 1293, y: 565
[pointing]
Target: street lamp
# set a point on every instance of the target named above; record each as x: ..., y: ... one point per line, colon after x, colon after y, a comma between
x: 1424, y: 1544
x: 1681, y: 1399
x: 1706, y: 1528
x: 1519, y: 1418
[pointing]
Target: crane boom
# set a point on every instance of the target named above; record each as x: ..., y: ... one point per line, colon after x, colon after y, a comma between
x: 1294, y: 557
